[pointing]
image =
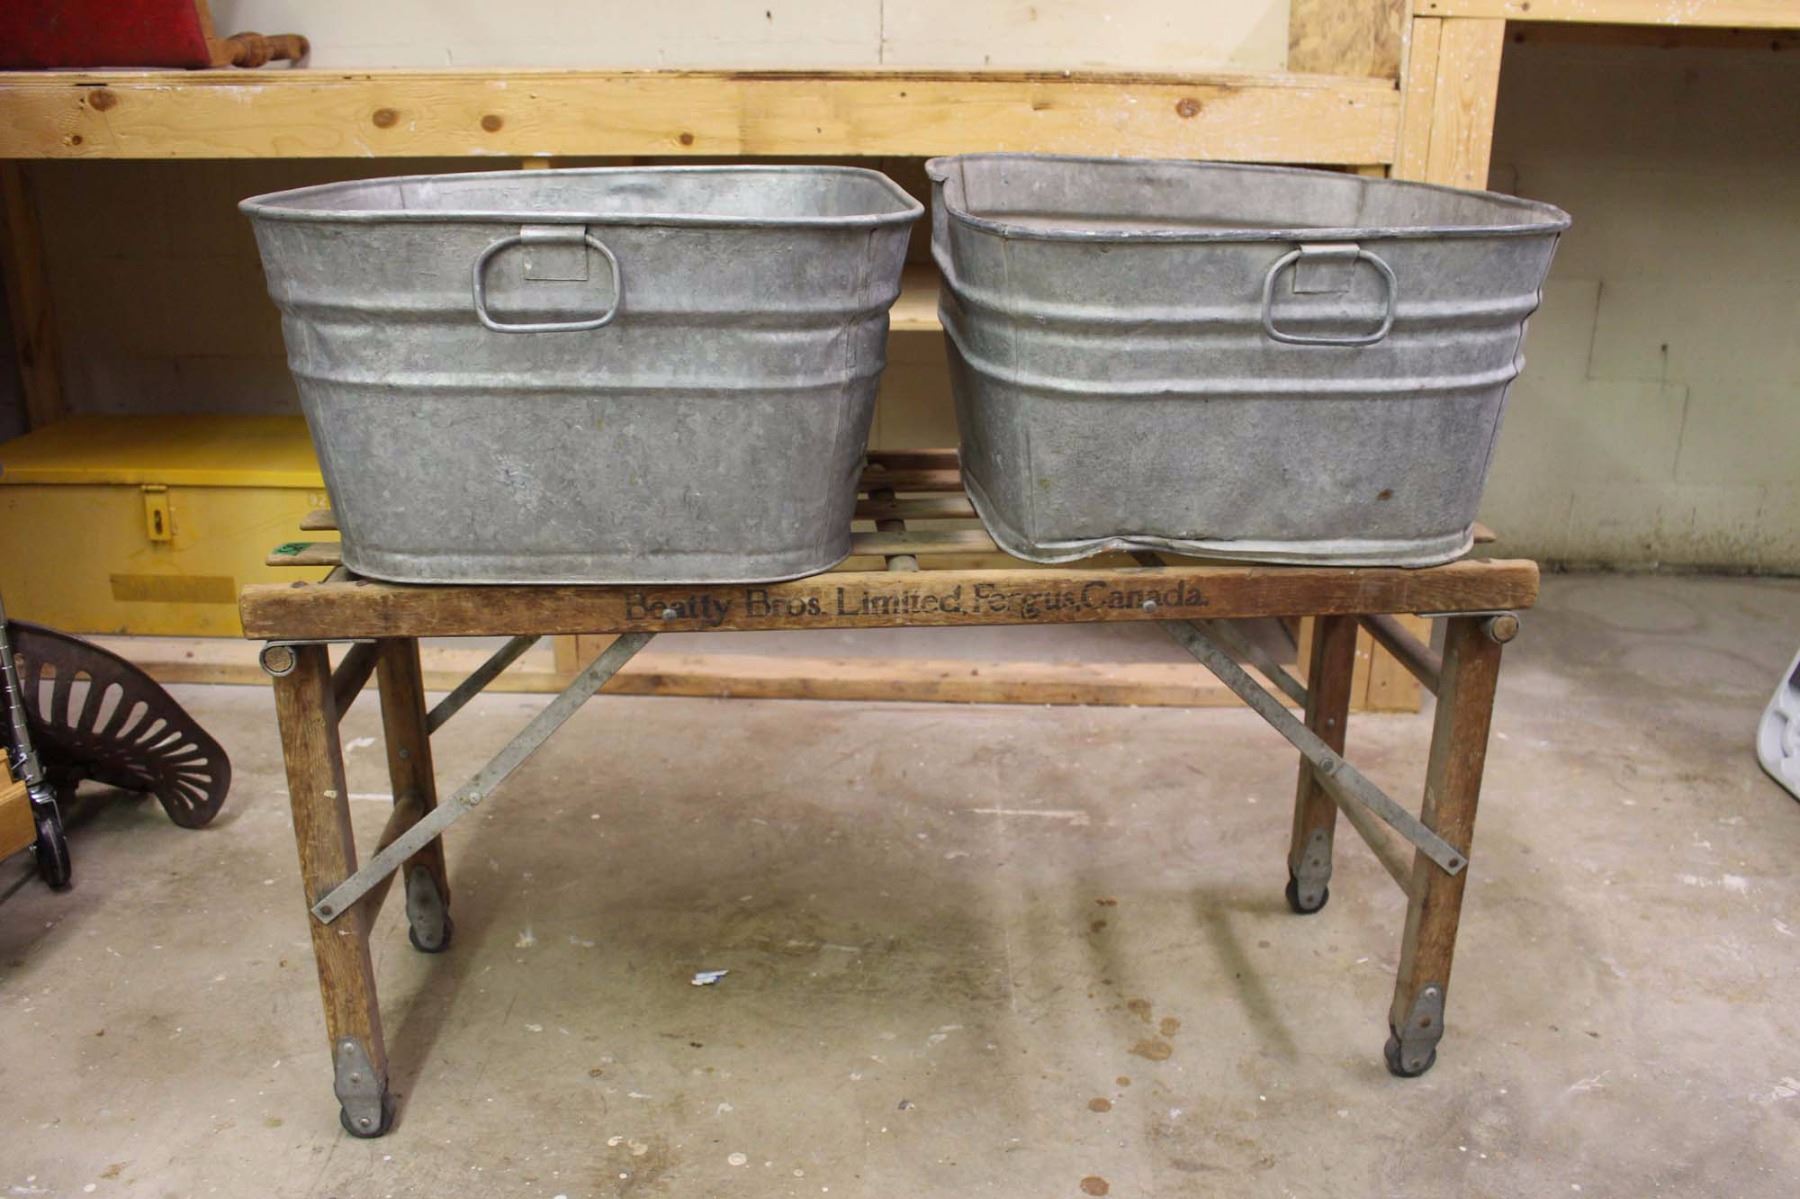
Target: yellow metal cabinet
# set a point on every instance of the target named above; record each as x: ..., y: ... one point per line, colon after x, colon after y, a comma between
x: 151, y: 524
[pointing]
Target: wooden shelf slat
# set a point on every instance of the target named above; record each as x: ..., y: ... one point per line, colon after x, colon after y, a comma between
x: 948, y: 541
x: 306, y: 553
x: 1730, y: 14
x: 734, y: 676
x: 944, y: 541
x: 912, y: 480
x: 922, y: 680
x: 309, y: 113
x: 934, y: 507
x: 938, y: 458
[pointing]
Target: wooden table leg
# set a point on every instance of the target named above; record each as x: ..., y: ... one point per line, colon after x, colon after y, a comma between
x: 1465, y: 706
x: 321, y: 805
x: 1331, y: 665
x: 427, y: 884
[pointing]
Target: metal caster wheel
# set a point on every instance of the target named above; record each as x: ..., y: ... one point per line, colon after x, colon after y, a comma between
x: 51, y: 849
x: 354, y: 1128
x: 1293, y: 898
x: 412, y: 934
x: 1400, y: 1065
x: 428, y: 924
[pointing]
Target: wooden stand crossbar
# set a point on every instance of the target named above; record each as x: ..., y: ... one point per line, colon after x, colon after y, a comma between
x: 930, y: 579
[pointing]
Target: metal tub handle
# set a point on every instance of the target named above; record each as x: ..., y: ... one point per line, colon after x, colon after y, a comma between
x: 1327, y: 251
x: 566, y: 235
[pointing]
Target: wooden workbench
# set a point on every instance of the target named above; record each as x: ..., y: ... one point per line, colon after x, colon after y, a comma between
x: 1195, y: 601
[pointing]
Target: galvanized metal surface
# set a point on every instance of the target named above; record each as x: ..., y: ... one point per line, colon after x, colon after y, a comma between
x: 341, y: 897
x: 1242, y: 362
x: 651, y: 375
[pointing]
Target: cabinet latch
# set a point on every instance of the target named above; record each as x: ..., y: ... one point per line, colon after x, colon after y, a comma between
x: 158, y: 524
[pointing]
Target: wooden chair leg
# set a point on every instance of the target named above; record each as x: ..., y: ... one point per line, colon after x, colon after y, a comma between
x: 321, y: 806
x: 1331, y: 665
x: 1465, y: 707
x: 426, y: 882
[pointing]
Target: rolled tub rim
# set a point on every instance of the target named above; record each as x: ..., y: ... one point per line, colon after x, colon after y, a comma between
x: 281, y: 206
x: 1550, y: 221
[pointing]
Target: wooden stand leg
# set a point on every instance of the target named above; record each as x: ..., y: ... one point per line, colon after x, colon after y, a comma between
x: 321, y: 805
x: 427, y: 884
x: 1332, y: 664
x: 1459, y: 740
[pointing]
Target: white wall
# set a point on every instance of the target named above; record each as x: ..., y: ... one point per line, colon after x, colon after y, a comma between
x: 1053, y: 34
x: 1658, y: 420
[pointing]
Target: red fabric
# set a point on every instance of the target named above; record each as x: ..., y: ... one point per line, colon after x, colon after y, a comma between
x: 35, y: 34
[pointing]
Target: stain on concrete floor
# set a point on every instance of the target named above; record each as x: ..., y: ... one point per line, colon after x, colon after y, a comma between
x: 930, y: 994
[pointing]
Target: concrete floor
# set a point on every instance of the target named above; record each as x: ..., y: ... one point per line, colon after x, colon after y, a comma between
x: 1002, y: 950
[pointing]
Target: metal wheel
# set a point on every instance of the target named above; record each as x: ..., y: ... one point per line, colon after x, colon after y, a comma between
x: 51, y: 849
x: 1293, y: 898
x: 412, y: 934
x: 369, y: 1134
x: 1397, y: 1065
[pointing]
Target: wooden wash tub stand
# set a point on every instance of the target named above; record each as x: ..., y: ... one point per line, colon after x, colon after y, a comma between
x: 1427, y: 855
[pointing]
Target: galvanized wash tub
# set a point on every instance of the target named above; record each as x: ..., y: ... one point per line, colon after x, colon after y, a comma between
x: 614, y: 375
x: 1229, y: 361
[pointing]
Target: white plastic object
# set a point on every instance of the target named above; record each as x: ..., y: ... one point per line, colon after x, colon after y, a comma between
x: 1778, y: 736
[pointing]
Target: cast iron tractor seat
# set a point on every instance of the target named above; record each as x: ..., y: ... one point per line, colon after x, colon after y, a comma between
x: 124, y: 730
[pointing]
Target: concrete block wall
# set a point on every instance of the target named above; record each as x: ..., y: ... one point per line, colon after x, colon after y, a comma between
x: 1658, y: 420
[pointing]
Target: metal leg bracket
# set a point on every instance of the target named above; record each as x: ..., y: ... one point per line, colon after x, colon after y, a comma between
x: 361, y: 1093
x: 1312, y: 874
x: 1413, y: 1046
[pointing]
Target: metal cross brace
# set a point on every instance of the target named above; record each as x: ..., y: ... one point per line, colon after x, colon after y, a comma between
x: 1256, y: 655
x: 472, y: 686
x: 1346, y: 784
x: 343, y: 896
